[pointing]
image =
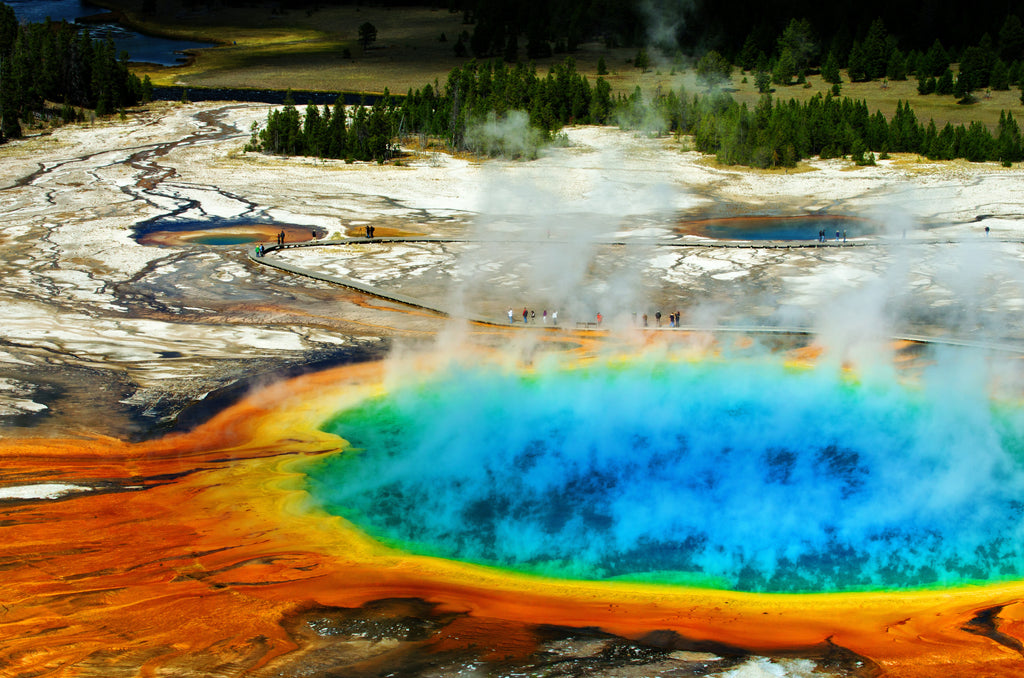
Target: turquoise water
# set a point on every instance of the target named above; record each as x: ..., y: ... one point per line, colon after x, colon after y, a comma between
x: 225, y: 239
x: 779, y: 228
x: 743, y: 475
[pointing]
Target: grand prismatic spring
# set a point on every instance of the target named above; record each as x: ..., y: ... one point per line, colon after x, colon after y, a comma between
x: 217, y: 467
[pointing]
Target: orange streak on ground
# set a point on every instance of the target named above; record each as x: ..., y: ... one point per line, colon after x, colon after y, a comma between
x: 198, y: 570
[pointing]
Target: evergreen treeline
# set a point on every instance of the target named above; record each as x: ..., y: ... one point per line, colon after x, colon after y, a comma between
x: 726, y: 25
x: 473, y: 94
x: 331, y: 133
x: 774, y: 133
x: 780, y: 133
x: 992, y: 62
x: 54, y: 62
x: 476, y: 90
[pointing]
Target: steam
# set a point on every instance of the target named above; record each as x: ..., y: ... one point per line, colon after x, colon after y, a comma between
x: 665, y: 18
x: 546, y: 244
x: 509, y: 136
x: 742, y: 474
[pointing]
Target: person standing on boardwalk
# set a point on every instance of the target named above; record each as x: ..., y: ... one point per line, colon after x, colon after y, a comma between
x: 525, y: 315
x: 509, y: 315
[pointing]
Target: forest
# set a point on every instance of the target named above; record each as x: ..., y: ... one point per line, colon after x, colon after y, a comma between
x: 472, y: 94
x: 52, y: 71
x: 695, y: 26
x: 958, y: 59
x: 775, y: 133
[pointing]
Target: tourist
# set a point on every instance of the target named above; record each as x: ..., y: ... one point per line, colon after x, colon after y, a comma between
x: 545, y: 317
x: 533, y: 317
x: 657, y: 318
x: 599, y: 319
x: 645, y: 320
x: 525, y: 315
x: 554, y: 317
x: 509, y: 315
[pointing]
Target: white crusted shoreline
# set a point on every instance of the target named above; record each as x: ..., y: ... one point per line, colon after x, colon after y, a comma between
x: 80, y: 291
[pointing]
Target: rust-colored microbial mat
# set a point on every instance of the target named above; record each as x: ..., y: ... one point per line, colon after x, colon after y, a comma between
x: 197, y: 553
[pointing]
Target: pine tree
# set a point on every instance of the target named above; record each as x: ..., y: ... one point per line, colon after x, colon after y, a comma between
x: 713, y: 69
x: 9, y: 127
x: 936, y: 60
x: 641, y: 60
x: 945, y: 84
x: 925, y: 84
x: 999, y: 79
x: 312, y: 133
x: 896, y: 69
x: 367, y: 34
x: 978, y: 143
x: 337, y: 131
x: 785, y: 68
x: 857, y: 66
x: 876, y: 50
x: 600, y: 102
x: 830, y: 71
x: 798, y: 40
x: 1009, y: 148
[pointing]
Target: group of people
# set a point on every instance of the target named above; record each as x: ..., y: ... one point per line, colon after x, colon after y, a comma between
x: 822, y: 236
x: 369, y: 231
x: 261, y: 249
x: 531, y: 316
x: 674, y: 319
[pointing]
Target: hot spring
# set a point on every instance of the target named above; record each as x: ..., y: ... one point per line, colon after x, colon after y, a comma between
x: 748, y: 475
x: 778, y: 228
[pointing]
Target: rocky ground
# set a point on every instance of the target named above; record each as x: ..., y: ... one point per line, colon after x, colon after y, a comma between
x: 98, y: 324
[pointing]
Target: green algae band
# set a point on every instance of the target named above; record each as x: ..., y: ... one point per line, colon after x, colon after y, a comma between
x: 744, y: 475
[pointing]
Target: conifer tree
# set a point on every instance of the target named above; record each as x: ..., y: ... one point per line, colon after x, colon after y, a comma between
x: 1008, y: 143
x: 830, y: 70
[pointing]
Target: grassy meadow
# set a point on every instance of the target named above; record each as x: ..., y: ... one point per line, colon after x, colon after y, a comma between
x: 299, y: 49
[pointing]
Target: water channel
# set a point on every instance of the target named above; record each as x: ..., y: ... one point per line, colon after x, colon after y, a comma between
x: 140, y: 47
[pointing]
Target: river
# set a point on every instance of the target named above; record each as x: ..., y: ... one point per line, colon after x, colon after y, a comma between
x: 140, y: 47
